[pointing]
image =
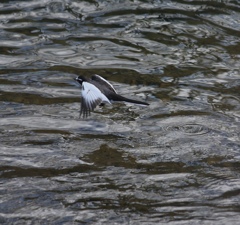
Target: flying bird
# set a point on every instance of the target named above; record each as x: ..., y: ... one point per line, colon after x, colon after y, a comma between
x: 98, y: 91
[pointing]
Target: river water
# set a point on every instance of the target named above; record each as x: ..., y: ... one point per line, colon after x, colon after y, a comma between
x: 176, y: 161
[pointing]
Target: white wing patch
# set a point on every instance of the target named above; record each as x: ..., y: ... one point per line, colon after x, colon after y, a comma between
x: 106, y: 82
x: 91, y: 98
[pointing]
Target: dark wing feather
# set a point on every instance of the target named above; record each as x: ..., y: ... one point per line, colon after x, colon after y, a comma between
x: 87, y: 107
x: 101, y: 81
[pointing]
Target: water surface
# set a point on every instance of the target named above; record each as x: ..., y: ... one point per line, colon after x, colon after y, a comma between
x: 176, y: 161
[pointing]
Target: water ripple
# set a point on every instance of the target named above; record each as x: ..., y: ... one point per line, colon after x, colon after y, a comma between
x: 175, y: 161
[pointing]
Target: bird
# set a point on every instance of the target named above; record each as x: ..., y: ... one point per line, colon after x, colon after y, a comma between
x: 98, y: 91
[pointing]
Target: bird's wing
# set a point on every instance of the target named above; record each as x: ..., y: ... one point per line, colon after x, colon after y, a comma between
x: 104, y: 82
x: 91, y: 98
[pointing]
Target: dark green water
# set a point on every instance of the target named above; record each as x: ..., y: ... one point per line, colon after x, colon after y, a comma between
x: 176, y: 161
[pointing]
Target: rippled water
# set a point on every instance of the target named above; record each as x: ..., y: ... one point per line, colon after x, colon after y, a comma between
x: 176, y: 161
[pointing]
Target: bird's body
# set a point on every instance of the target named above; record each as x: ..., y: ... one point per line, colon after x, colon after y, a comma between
x: 96, y: 91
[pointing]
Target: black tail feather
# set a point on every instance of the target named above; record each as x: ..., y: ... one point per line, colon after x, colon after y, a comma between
x: 116, y: 97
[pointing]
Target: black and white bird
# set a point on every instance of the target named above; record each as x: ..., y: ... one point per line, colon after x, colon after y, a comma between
x: 97, y: 91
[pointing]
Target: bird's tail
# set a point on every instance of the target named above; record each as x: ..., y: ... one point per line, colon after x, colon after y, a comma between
x: 117, y: 97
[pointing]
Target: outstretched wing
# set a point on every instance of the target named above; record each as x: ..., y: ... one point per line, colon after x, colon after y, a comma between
x: 103, y: 82
x: 91, y: 98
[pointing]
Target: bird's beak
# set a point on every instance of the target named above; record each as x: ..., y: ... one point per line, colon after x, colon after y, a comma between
x: 77, y: 79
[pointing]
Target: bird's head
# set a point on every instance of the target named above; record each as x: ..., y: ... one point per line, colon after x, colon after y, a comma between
x: 80, y: 79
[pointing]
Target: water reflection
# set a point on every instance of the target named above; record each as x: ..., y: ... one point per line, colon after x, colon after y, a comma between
x: 176, y: 161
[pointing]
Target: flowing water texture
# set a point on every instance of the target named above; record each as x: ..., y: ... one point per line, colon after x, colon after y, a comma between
x: 176, y: 161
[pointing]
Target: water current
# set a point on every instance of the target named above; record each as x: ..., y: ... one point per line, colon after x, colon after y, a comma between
x: 176, y: 161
